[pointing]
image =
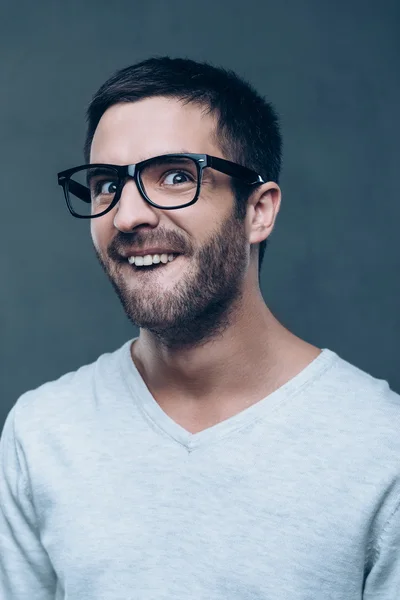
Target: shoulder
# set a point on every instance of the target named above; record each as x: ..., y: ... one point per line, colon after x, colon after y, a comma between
x: 347, y: 380
x: 64, y: 398
x: 358, y: 402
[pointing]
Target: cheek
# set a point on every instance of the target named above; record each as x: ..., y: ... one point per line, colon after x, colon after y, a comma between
x: 205, y: 217
x: 101, y: 232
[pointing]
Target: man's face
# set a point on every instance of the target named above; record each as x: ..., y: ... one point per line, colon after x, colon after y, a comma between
x: 189, y: 299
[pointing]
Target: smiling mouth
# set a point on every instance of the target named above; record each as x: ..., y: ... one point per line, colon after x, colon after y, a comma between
x: 151, y: 259
x: 151, y: 262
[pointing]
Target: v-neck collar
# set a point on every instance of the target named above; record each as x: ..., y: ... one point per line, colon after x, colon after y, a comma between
x: 153, y: 411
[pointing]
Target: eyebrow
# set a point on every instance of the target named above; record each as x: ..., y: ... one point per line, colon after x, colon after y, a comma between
x: 181, y: 151
x: 93, y: 172
x: 142, y: 158
x: 98, y: 171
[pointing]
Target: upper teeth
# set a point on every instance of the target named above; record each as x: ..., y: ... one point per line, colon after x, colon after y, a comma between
x: 150, y: 259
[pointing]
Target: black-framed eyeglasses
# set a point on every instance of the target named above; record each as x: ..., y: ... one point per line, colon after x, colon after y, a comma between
x: 169, y: 182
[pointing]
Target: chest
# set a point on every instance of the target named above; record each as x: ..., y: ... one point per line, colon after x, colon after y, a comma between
x: 238, y: 530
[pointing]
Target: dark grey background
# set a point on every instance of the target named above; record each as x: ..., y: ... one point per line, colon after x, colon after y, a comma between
x: 331, y: 273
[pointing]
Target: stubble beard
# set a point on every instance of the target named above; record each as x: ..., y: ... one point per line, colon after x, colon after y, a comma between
x: 201, y: 305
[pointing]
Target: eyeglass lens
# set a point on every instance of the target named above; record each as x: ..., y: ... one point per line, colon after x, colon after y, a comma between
x: 167, y: 181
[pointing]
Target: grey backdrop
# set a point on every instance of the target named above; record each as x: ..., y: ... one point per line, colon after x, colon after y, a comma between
x: 331, y: 273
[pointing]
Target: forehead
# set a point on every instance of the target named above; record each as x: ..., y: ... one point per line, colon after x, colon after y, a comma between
x: 131, y: 132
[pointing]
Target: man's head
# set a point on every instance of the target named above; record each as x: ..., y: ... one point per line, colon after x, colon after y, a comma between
x: 163, y: 106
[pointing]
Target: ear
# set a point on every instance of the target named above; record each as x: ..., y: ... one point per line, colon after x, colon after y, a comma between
x: 262, y: 210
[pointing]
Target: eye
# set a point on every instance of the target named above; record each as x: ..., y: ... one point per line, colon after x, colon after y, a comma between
x: 177, y: 177
x: 103, y: 187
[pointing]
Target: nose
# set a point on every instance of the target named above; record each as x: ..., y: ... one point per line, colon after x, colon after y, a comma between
x: 132, y: 210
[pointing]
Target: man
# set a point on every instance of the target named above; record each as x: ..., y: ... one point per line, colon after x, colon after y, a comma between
x: 217, y: 455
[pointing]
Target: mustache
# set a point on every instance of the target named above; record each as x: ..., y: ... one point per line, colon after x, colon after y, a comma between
x: 161, y: 237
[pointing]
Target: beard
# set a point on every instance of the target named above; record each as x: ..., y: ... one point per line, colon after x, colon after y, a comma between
x: 201, y: 304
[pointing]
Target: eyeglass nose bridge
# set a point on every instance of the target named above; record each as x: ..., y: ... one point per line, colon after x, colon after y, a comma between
x: 126, y: 173
x: 131, y: 170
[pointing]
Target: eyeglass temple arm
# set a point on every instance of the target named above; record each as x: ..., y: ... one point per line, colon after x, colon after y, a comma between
x: 80, y: 190
x: 235, y: 170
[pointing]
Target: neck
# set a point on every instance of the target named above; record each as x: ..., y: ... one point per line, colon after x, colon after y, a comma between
x: 253, y: 351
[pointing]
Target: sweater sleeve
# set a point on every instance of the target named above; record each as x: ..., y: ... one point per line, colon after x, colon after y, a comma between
x: 383, y: 580
x: 26, y: 572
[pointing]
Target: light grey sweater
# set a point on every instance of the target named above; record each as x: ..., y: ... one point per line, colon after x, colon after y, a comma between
x: 105, y: 497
